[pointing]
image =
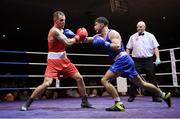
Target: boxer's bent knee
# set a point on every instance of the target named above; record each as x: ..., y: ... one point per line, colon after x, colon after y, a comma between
x: 79, y: 78
x: 104, y: 81
x: 47, y: 82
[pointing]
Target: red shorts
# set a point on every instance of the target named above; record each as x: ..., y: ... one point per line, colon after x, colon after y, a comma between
x: 57, y: 67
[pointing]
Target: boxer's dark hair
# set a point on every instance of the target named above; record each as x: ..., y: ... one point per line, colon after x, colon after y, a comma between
x: 103, y: 20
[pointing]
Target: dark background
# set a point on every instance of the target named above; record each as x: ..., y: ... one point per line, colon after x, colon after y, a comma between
x: 34, y: 19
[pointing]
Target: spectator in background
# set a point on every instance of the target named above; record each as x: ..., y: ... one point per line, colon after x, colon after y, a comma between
x: 94, y: 93
x: 55, y: 94
x: 9, y: 97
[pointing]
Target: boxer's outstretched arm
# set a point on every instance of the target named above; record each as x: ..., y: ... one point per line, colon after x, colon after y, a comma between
x: 88, y: 40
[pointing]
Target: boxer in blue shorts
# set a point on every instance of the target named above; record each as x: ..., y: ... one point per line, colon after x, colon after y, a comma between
x: 123, y: 65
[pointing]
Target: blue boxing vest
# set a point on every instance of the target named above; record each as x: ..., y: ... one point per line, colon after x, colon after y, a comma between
x: 111, y: 52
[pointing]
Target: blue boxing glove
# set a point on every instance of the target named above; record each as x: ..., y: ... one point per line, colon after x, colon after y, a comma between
x: 157, y: 62
x: 68, y: 33
x: 99, y: 41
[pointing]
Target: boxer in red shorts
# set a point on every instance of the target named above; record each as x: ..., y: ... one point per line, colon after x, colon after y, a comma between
x: 58, y: 63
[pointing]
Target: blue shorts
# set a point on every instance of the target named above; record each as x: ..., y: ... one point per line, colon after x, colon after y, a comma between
x: 125, y: 65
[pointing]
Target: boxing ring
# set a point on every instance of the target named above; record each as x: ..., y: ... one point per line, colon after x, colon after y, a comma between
x: 20, y: 62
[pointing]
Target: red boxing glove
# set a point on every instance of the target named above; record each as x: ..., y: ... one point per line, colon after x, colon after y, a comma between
x: 81, y: 34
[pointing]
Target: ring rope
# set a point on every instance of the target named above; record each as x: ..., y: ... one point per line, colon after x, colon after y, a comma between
x: 21, y: 52
x: 28, y: 63
x: 91, y: 76
x: 35, y: 76
x: 49, y: 88
x: 177, y: 48
x: 42, y: 53
x: 74, y: 87
x: 27, y: 52
x: 93, y: 65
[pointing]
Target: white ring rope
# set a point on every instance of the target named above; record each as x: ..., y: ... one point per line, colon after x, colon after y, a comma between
x: 45, y: 53
x: 34, y: 76
x: 73, y: 87
x: 177, y: 48
x: 27, y: 52
x: 30, y: 63
x: 92, y: 65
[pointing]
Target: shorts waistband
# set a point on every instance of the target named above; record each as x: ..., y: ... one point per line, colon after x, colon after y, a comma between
x: 56, y: 55
x: 120, y: 55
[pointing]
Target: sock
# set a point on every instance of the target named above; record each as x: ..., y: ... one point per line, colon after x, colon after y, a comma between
x: 163, y: 94
x: 117, y: 100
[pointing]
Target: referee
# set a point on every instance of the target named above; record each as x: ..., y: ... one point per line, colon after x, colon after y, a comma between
x: 143, y: 46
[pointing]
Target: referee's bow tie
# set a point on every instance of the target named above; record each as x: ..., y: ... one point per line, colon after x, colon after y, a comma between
x: 140, y: 34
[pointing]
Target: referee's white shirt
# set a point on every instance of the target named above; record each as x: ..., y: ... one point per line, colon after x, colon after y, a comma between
x: 142, y: 46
